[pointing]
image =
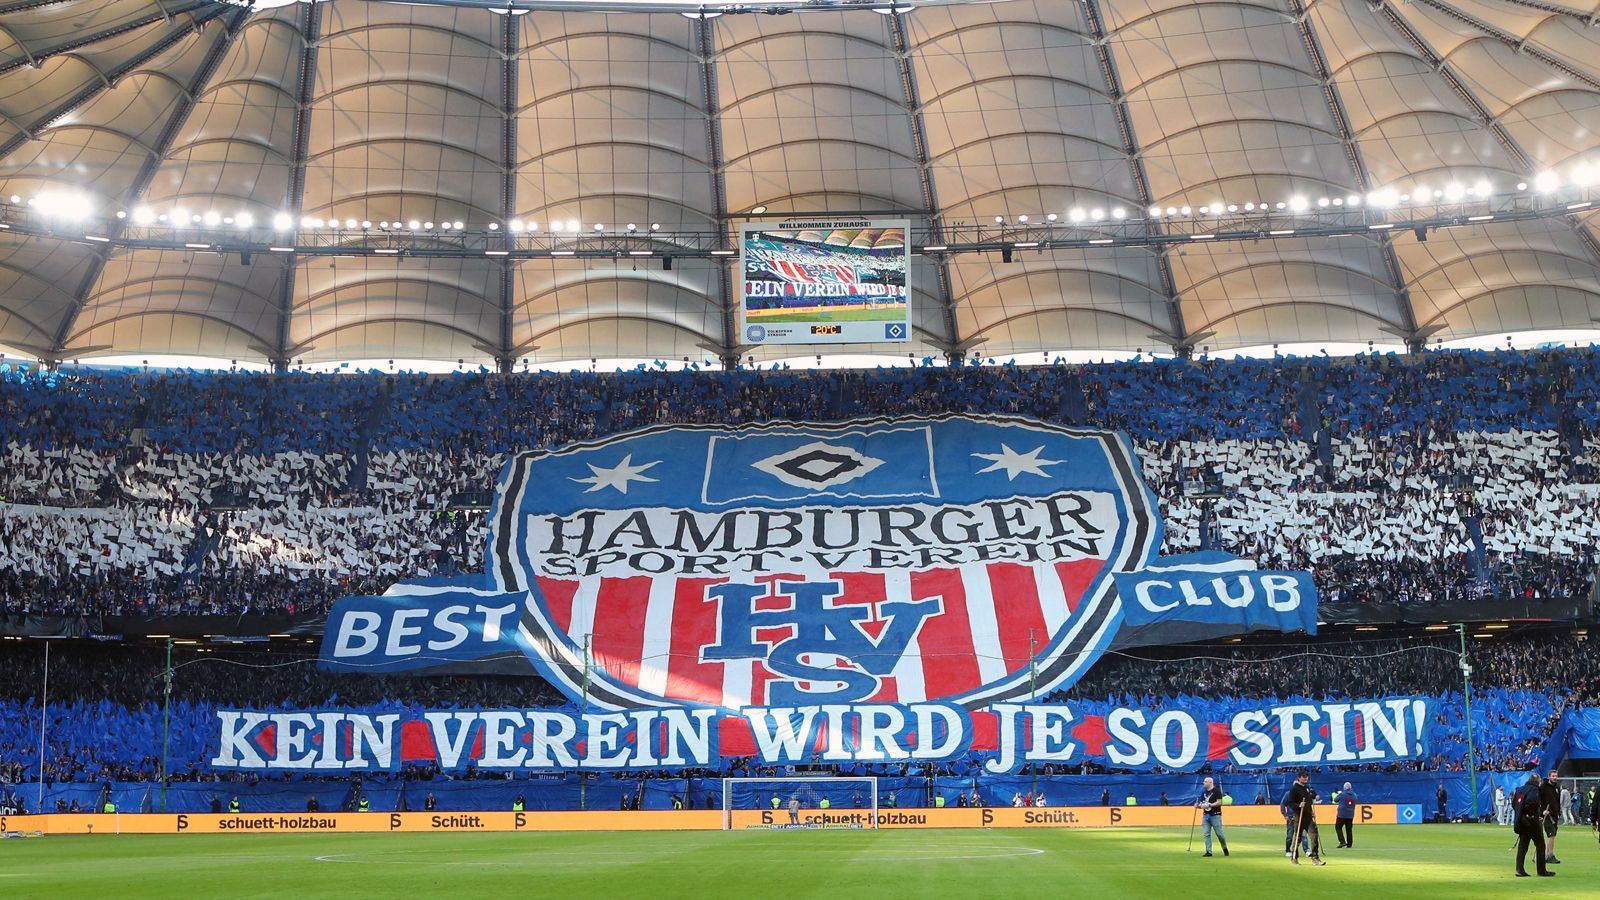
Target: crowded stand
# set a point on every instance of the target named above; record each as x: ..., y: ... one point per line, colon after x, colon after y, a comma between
x: 1406, y: 483
x: 105, y: 720
x: 1413, y: 485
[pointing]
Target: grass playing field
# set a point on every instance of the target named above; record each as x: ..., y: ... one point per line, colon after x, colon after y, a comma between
x: 840, y: 314
x: 1411, y: 862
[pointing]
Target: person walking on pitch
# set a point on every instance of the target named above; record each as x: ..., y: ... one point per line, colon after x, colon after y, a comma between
x: 1550, y: 797
x: 1344, y: 820
x: 1288, y: 823
x: 1594, y: 815
x: 1530, y: 821
x: 1210, y: 805
x: 1302, y: 801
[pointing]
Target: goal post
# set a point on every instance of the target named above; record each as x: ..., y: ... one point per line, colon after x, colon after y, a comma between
x: 819, y: 801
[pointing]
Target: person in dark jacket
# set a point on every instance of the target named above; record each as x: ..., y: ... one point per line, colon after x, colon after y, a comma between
x: 1344, y: 820
x: 1528, y: 813
x: 1550, y: 798
x: 1288, y: 825
x: 1302, y: 802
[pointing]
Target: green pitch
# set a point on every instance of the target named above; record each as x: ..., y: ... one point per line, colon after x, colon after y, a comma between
x: 1410, y: 862
x: 864, y: 314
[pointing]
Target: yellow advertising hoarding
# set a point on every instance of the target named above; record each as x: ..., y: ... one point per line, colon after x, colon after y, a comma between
x: 657, y: 820
x: 1173, y: 816
x: 313, y: 823
x: 948, y: 817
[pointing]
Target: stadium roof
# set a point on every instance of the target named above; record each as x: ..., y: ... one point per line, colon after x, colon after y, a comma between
x: 952, y: 114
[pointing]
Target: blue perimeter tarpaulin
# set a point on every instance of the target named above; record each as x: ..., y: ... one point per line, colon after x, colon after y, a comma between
x: 1583, y: 734
x: 563, y: 792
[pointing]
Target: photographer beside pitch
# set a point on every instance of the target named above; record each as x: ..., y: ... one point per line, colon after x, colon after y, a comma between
x: 1210, y: 806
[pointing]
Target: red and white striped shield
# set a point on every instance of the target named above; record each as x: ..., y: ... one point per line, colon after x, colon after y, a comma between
x: 962, y: 559
x: 649, y: 631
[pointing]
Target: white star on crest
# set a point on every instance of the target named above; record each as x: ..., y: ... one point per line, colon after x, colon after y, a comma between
x: 1014, y: 463
x: 619, y: 477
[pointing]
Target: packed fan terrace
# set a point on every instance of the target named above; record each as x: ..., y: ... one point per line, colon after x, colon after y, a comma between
x: 1448, y: 477
x: 105, y: 718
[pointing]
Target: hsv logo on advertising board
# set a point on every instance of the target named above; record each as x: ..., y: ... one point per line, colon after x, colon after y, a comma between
x: 854, y: 591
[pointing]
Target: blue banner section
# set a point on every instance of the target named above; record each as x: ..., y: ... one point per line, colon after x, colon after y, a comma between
x: 1180, y: 740
x: 1312, y: 733
x: 788, y: 464
x: 1243, y: 598
x: 443, y: 622
x: 884, y: 462
x: 1582, y: 735
x: 866, y: 734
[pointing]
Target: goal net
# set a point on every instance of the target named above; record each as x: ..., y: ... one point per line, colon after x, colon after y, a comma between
x: 804, y: 802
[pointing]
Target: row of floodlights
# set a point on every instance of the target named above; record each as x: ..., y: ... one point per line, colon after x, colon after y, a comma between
x: 282, y: 222
x: 1384, y: 198
x: 897, y: 9
x: 76, y: 206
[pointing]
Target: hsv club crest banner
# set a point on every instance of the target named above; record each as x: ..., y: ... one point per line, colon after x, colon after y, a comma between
x: 882, y: 574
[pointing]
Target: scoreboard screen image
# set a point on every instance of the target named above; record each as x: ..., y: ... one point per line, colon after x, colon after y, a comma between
x: 825, y: 282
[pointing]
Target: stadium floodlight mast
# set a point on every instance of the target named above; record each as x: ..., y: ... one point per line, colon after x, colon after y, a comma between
x: 1466, y: 696
x: 166, y: 722
x: 44, y: 711
x: 1033, y: 691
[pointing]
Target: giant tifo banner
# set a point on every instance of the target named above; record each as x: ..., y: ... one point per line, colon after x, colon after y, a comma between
x: 881, y: 590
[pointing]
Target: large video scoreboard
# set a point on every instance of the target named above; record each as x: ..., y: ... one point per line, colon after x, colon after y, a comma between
x: 825, y: 282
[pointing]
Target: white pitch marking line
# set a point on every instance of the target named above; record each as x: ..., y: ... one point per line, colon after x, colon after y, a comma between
x: 585, y: 858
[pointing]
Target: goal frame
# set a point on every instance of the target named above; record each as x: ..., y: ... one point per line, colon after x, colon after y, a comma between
x: 867, y: 781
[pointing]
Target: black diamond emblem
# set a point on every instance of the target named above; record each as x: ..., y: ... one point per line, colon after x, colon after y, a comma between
x: 818, y: 466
